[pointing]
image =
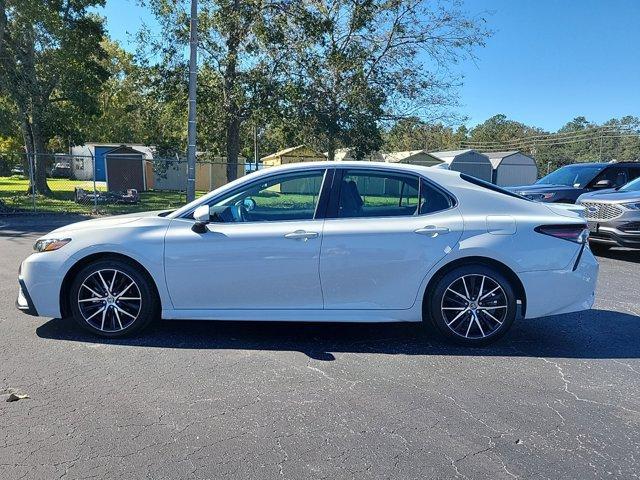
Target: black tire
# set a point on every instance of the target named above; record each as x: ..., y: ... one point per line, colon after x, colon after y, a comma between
x: 599, y: 248
x: 486, y: 320
x: 86, y: 300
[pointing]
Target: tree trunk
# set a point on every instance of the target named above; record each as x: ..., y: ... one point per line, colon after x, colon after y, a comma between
x: 331, y: 149
x: 3, y: 25
x: 28, y: 146
x: 231, y: 103
x: 233, y: 147
x: 40, y: 157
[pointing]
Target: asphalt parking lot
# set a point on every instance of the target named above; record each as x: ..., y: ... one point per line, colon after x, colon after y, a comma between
x: 557, y: 398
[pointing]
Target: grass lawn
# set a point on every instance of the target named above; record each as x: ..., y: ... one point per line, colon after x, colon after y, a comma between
x: 12, y: 194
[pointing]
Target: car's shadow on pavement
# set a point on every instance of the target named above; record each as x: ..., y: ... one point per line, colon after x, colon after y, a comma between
x: 591, y: 334
x: 625, y: 255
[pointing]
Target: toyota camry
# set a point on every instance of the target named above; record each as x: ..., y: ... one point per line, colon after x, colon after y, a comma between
x: 322, y: 242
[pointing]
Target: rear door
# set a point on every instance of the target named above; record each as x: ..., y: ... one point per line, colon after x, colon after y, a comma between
x: 384, y: 231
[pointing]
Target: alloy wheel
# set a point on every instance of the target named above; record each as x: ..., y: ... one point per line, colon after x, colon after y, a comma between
x: 109, y: 300
x: 474, y: 306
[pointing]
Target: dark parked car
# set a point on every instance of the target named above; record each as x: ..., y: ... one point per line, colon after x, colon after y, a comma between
x: 567, y: 183
x: 61, y: 170
x: 613, y: 216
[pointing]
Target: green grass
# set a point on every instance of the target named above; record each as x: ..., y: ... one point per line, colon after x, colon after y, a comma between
x: 13, y: 195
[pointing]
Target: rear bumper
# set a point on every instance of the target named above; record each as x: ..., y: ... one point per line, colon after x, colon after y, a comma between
x: 24, y: 302
x: 561, y: 291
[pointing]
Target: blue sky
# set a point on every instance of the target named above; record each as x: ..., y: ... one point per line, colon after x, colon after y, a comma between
x: 547, y: 62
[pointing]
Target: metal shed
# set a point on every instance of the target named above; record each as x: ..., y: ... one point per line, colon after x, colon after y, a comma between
x: 90, y: 158
x: 126, y: 168
x: 513, y: 168
x: 467, y: 161
x: 414, y: 157
x: 300, y: 153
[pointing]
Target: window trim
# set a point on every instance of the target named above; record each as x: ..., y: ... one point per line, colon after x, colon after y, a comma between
x: 334, y: 199
x: 326, y: 173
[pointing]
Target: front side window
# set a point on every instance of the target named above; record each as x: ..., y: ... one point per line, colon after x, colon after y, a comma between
x: 280, y: 198
x: 617, y: 176
x: 380, y: 194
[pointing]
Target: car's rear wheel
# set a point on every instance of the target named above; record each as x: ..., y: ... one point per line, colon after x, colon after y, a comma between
x: 112, y: 298
x: 472, y: 305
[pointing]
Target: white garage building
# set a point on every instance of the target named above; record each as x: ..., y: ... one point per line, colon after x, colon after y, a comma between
x: 512, y: 168
x: 467, y: 161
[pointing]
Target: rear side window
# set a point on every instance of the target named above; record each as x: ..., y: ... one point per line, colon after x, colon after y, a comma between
x: 491, y: 186
x: 634, y: 172
x: 382, y: 194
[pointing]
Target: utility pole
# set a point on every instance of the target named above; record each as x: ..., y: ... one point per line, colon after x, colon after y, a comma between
x: 191, y: 129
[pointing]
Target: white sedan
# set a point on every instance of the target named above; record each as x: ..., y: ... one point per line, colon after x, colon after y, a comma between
x: 324, y: 242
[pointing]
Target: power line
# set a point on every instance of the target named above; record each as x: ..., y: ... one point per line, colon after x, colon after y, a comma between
x: 586, y: 131
x: 517, y: 141
x: 525, y: 142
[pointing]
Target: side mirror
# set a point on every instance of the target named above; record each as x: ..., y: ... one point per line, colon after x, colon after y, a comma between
x: 202, y: 218
x: 603, y: 184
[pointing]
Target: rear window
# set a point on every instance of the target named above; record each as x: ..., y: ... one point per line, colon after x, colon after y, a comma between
x: 491, y: 186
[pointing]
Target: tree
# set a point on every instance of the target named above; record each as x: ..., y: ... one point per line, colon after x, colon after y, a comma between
x: 138, y: 104
x: 239, y: 43
x: 415, y: 134
x: 358, y: 63
x: 51, y: 69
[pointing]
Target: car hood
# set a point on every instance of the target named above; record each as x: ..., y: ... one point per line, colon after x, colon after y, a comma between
x: 610, y: 195
x: 541, y: 188
x: 105, y: 222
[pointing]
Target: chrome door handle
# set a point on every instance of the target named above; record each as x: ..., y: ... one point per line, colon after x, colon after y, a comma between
x: 301, y: 235
x: 432, y: 231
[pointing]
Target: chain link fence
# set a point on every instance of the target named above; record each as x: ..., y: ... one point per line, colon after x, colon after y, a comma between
x: 118, y: 182
x: 124, y: 180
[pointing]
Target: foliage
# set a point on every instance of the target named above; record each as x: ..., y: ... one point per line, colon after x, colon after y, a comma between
x: 357, y: 63
x: 50, y: 68
x: 415, y: 134
x: 240, y: 47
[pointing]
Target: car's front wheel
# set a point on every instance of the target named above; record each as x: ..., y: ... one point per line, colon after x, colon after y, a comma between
x: 112, y: 298
x: 472, y: 305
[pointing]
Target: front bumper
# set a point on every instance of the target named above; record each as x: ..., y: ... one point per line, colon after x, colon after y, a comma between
x: 562, y: 291
x: 24, y: 302
x: 605, y: 233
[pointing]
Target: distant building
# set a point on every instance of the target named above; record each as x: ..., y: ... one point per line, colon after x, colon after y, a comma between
x: 300, y: 153
x: 348, y: 155
x: 84, y: 156
x: 121, y: 166
x: 414, y: 157
x: 513, y: 168
x: 467, y: 161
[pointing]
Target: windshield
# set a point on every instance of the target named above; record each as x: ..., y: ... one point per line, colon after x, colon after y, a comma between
x: 577, y: 176
x: 633, y: 186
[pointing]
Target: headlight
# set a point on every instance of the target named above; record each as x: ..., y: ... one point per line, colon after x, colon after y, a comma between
x: 50, y: 244
x: 632, y: 206
x: 539, y: 197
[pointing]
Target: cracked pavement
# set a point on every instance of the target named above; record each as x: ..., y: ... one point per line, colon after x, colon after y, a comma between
x: 557, y: 398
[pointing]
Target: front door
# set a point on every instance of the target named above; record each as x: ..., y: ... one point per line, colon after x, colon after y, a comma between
x: 261, y: 250
x: 389, y: 231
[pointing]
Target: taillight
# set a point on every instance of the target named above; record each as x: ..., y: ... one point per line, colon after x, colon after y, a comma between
x: 578, y: 233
